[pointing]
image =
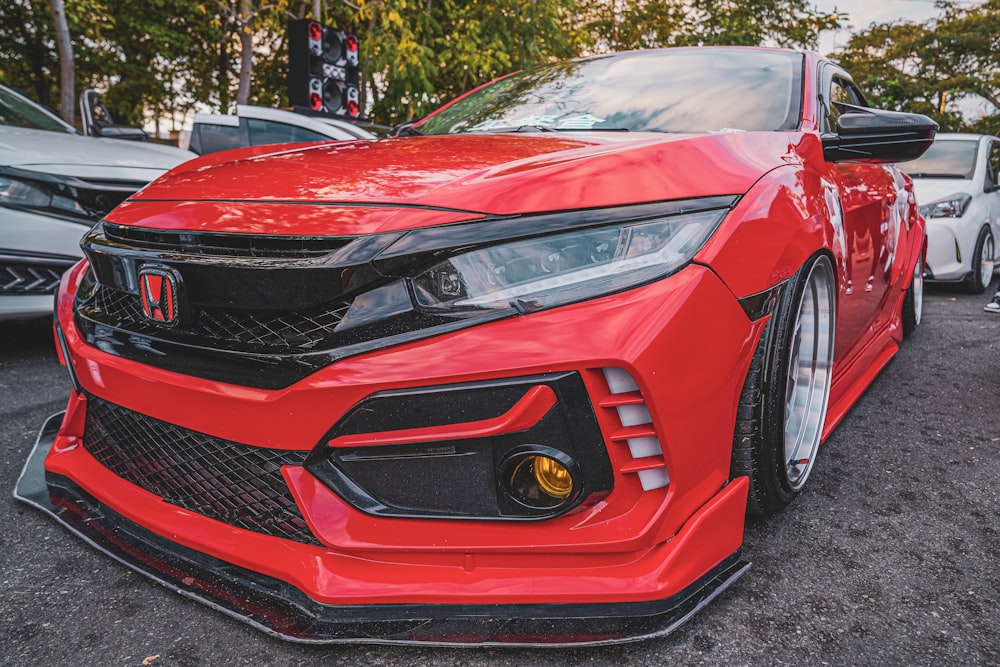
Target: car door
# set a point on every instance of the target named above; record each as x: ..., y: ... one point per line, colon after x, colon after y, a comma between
x: 872, y: 198
x: 992, y: 186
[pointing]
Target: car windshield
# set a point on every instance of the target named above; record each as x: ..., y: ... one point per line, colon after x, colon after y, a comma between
x: 945, y: 159
x: 17, y: 111
x: 669, y: 90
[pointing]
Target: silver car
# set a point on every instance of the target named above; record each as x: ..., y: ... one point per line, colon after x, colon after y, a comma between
x: 54, y: 185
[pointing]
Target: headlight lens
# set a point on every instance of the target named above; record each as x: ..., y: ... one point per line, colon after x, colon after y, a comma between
x: 561, y: 268
x: 949, y: 207
x: 63, y: 197
x: 20, y: 193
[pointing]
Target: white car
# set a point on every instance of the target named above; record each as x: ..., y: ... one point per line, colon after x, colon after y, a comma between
x: 956, y: 183
x: 55, y: 184
x: 258, y: 126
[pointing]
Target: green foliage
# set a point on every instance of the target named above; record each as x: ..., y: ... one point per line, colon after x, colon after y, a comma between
x: 418, y: 54
x: 932, y: 67
x: 789, y: 23
x: 155, y: 56
x: 28, y: 60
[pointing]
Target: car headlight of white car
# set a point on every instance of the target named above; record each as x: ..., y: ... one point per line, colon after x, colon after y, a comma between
x: 953, y: 206
x: 65, y: 197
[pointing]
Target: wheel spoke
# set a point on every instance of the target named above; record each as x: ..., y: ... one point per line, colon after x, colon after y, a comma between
x: 986, y: 262
x: 808, y: 381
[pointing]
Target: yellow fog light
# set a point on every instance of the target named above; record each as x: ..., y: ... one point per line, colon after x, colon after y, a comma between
x: 552, y: 476
x: 542, y: 478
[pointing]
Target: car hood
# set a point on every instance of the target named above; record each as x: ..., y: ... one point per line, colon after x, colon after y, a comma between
x: 929, y: 190
x: 86, y: 157
x: 500, y: 174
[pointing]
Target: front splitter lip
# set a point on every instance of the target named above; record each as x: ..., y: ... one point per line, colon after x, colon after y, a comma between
x: 282, y: 610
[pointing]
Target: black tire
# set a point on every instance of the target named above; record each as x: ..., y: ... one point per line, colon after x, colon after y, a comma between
x: 913, y: 302
x: 976, y: 283
x: 759, y: 443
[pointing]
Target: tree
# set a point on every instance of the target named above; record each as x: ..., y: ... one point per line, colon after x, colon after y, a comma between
x: 148, y: 57
x: 968, y: 39
x: 788, y: 23
x: 67, y: 70
x: 932, y: 67
x: 28, y: 62
x: 417, y: 54
x: 634, y: 24
x: 248, y: 16
x: 168, y: 55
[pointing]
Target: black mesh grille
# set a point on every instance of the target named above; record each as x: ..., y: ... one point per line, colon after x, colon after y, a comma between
x: 238, y: 484
x: 26, y: 278
x: 264, y: 332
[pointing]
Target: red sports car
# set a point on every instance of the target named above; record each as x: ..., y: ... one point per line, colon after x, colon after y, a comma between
x: 515, y: 376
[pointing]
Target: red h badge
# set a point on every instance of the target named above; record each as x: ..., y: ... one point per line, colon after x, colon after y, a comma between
x: 158, y: 288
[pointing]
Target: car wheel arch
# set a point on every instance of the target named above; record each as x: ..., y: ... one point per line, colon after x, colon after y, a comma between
x: 770, y: 233
x: 757, y: 435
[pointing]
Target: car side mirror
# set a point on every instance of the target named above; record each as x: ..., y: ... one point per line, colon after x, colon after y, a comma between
x: 97, y: 120
x: 874, y: 135
x: 121, y: 132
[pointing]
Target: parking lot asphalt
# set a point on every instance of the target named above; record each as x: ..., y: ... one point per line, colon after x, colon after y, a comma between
x: 889, y: 557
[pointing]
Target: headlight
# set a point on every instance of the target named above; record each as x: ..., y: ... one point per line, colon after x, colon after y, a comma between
x: 62, y: 196
x: 19, y: 193
x: 23, y: 193
x: 949, y: 207
x: 561, y: 268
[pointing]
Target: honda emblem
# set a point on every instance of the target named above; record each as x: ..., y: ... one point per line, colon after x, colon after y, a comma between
x: 159, y: 289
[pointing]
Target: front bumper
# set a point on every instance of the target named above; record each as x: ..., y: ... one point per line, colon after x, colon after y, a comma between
x: 277, y: 608
x: 35, y: 250
x: 28, y: 282
x: 652, y: 552
x: 950, y: 247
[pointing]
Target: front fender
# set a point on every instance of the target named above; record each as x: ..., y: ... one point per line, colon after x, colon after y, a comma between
x: 782, y: 221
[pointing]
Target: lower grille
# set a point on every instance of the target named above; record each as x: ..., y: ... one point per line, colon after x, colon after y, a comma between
x: 24, y: 276
x: 261, y: 332
x: 237, y: 484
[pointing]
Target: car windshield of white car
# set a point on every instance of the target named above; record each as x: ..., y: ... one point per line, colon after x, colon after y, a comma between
x: 671, y: 90
x: 945, y: 159
x: 19, y: 112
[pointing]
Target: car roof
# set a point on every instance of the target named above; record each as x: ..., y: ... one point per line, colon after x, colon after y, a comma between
x: 216, y: 119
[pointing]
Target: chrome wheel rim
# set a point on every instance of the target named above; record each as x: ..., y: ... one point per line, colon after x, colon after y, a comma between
x: 917, y: 289
x: 807, y: 390
x: 986, y: 263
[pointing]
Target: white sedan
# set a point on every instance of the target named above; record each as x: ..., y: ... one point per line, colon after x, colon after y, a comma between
x: 956, y: 183
x: 55, y: 184
x: 260, y: 126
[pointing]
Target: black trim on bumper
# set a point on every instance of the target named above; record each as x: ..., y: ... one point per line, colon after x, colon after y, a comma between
x: 460, y: 478
x: 279, y: 609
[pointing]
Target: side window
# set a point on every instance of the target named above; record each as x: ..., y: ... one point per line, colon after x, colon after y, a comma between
x: 209, y: 138
x: 264, y: 132
x: 993, y: 168
x: 844, y: 92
